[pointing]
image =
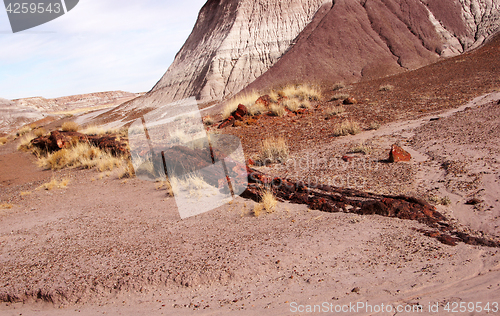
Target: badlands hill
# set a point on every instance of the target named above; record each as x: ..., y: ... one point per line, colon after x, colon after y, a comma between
x: 270, y: 42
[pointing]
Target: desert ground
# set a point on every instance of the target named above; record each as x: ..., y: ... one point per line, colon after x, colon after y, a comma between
x: 105, y: 245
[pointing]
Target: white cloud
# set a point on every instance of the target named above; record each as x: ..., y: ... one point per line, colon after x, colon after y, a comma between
x: 97, y: 46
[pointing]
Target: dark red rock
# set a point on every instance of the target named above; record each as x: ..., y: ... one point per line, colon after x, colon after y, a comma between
x: 347, y: 158
x: 398, y: 154
x: 227, y: 122
x: 250, y: 162
x: 350, y: 101
x: 240, y: 112
x: 264, y: 100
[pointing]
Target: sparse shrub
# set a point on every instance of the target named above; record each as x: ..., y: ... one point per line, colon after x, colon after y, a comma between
x: 339, y: 96
x: 70, y: 127
x: 274, y: 96
x: 24, y: 130
x: 338, y: 86
x: 3, y: 140
x: 179, y: 136
x: 165, y: 184
x: 40, y: 132
x: 4, y: 206
x: 25, y: 193
x: 267, y: 203
x: 82, y: 155
x: 256, y: 109
x: 93, y: 130
x: 277, y: 110
x: 439, y: 200
x: 386, y: 87
x: 334, y: 111
x: 128, y: 171
x: 346, y: 128
x: 361, y: 148
x: 374, y: 126
x: 25, y: 142
x: 301, y: 92
x: 274, y: 150
x: 292, y: 104
x: 247, y: 100
x: 54, y: 184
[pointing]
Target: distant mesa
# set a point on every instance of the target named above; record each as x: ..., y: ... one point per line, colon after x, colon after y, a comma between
x: 256, y: 45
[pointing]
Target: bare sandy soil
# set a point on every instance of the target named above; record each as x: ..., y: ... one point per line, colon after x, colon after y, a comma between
x: 109, y: 246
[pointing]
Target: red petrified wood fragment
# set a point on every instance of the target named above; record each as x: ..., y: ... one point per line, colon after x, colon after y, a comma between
x: 398, y: 154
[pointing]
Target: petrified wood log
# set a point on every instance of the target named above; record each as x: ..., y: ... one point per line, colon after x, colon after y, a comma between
x: 58, y: 139
x: 332, y: 199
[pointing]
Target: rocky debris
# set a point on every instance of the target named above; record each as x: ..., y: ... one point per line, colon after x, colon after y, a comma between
x: 240, y: 112
x: 57, y: 140
x: 347, y: 158
x: 398, y: 154
x: 266, y: 99
x: 227, y: 122
x: 350, y: 101
x: 473, y: 201
x: 333, y: 199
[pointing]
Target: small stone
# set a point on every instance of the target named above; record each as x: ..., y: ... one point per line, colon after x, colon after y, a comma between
x: 473, y: 201
x: 240, y: 112
x: 398, y: 154
x: 347, y: 158
x: 355, y: 290
x: 350, y: 101
x: 227, y: 122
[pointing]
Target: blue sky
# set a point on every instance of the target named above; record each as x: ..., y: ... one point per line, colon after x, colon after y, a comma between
x: 100, y: 45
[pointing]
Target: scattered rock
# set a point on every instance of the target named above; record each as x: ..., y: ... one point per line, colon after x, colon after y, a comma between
x: 238, y: 123
x: 264, y: 100
x: 498, y: 102
x: 251, y: 121
x: 350, y: 101
x: 355, y: 290
x: 227, y: 122
x: 398, y: 154
x: 250, y: 162
x: 473, y: 201
x: 240, y: 112
x: 347, y: 158
x: 435, y: 119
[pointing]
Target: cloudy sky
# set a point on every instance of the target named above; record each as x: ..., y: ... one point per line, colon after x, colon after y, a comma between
x: 100, y: 45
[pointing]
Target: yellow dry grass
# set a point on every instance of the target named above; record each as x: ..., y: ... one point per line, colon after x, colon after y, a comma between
x: 267, y: 203
x: 54, y: 184
x: 5, y: 206
x: 256, y: 109
x: 386, y: 87
x: 346, y: 128
x: 70, y: 127
x: 301, y: 92
x: 247, y: 100
x: 82, y: 155
x: 25, y: 193
x: 277, y: 110
x: 274, y: 150
x: 24, y: 130
x: 25, y: 142
x: 334, y: 111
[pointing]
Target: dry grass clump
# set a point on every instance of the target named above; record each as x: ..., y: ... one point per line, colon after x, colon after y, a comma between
x: 70, y: 127
x: 346, y: 128
x: 247, y: 100
x: 54, y: 184
x: 274, y: 150
x: 128, y: 171
x: 277, y: 110
x: 338, y: 86
x: 40, y: 132
x: 256, y: 109
x: 386, y: 87
x: 93, y: 130
x: 274, y: 96
x: 339, y: 96
x: 3, y: 140
x: 25, y: 193
x: 440, y: 200
x: 267, y: 203
x: 301, y: 92
x: 25, y: 142
x: 374, y: 126
x: 165, y: 184
x: 361, y: 148
x: 5, y: 206
x: 82, y: 155
x: 24, y: 130
x: 334, y: 111
x: 295, y: 104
